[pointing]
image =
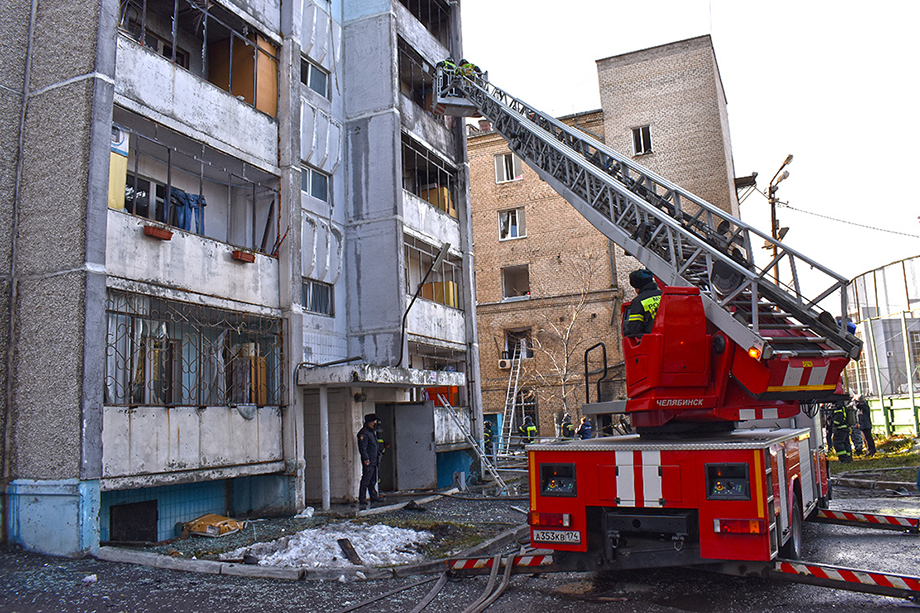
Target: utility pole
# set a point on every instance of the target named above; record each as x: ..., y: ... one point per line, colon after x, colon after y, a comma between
x: 775, y: 231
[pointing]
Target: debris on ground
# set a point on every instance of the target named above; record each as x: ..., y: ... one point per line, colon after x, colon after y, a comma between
x: 374, y: 544
x: 212, y: 525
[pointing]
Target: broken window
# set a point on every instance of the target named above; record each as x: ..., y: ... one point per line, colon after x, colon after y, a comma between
x: 434, y: 15
x: 314, y: 77
x: 318, y: 297
x: 508, y: 167
x: 515, y: 282
x: 511, y: 224
x: 315, y: 183
x: 518, y: 340
x: 442, y: 285
x: 416, y: 79
x: 211, y: 194
x: 209, y: 41
x: 642, y: 140
x: 428, y: 176
x: 167, y: 353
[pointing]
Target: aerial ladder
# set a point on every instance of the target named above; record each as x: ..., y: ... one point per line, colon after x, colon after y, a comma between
x: 511, y: 394
x: 772, y: 345
x: 761, y: 347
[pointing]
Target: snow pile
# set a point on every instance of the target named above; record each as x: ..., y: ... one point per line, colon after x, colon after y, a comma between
x: 377, y: 545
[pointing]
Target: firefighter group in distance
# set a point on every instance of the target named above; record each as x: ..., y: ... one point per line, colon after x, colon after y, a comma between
x: 849, y: 422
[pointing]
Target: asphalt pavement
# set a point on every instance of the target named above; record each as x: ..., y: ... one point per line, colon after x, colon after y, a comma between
x: 159, y: 579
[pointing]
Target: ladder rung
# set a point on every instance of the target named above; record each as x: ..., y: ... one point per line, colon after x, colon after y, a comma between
x: 796, y: 339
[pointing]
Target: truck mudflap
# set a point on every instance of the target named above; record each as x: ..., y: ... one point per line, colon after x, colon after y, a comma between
x: 867, y: 520
x: 837, y: 577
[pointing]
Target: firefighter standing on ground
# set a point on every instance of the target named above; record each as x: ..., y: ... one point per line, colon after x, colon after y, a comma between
x: 840, y: 429
x: 864, y: 421
x: 640, y: 316
x: 369, y: 450
x: 487, y: 438
x: 528, y: 431
x: 568, y: 428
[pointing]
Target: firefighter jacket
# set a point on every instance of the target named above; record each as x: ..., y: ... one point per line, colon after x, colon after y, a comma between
x: 640, y: 316
x: 528, y: 431
x: 368, y: 446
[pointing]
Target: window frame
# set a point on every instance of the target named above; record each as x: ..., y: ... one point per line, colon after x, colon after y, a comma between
x: 520, y: 226
x: 309, y: 297
x: 511, y: 270
x: 310, y: 69
x: 307, y: 175
x: 642, y: 140
x: 516, y: 164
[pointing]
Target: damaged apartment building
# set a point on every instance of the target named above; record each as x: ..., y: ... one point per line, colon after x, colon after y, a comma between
x: 234, y: 228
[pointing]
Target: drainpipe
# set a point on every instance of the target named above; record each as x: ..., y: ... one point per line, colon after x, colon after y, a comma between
x: 324, y: 444
x: 910, y: 373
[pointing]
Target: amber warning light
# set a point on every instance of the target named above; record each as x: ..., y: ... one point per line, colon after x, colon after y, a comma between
x: 739, y: 526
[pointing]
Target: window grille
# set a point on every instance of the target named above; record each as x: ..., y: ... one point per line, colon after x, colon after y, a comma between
x: 168, y: 353
x: 429, y: 176
x: 318, y: 297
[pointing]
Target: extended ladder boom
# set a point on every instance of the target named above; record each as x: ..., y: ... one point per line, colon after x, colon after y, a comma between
x: 681, y: 238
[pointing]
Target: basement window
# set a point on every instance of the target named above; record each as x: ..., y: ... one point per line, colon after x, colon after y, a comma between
x: 515, y: 282
x: 642, y: 140
x: 511, y: 224
x: 508, y: 167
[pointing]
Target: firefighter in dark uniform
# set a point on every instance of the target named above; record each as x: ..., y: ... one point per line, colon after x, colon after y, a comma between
x: 528, y: 431
x: 640, y: 316
x: 369, y: 450
x: 841, y: 432
x: 568, y: 428
x: 487, y: 438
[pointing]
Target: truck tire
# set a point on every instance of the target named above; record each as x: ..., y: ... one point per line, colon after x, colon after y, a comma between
x: 792, y: 548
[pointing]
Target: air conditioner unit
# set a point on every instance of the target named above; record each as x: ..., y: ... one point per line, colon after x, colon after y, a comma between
x: 504, y: 364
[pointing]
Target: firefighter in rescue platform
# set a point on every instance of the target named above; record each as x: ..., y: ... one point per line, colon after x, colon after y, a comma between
x: 528, y: 431
x: 640, y: 316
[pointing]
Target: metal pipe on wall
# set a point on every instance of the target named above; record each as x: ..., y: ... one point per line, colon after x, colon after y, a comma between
x: 324, y: 445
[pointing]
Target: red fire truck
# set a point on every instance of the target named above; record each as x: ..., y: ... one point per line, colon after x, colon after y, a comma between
x: 689, y: 487
x: 728, y: 459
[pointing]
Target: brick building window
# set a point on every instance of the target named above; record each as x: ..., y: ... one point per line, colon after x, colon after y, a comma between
x: 518, y: 339
x: 642, y: 140
x: 508, y: 167
x: 511, y: 224
x: 515, y: 282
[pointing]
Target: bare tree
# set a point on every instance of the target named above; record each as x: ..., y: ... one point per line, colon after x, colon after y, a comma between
x: 562, y: 329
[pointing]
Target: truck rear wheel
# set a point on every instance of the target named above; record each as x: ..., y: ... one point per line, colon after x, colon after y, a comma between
x: 792, y: 548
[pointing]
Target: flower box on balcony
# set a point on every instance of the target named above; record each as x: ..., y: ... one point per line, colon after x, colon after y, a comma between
x: 244, y: 256
x: 158, y: 232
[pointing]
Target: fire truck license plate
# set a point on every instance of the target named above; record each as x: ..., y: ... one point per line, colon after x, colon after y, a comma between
x: 557, y: 536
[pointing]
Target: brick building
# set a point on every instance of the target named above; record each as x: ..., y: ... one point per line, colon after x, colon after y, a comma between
x: 544, y: 275
x: 666, y: 107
